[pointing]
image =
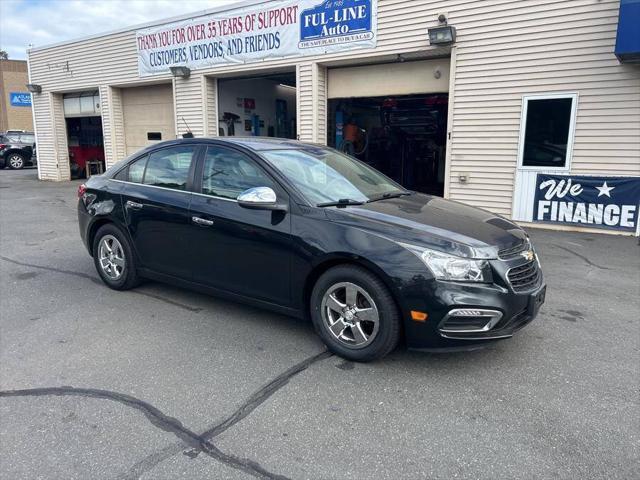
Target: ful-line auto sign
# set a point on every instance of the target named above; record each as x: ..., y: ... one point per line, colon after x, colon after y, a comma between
x: 602, y: 202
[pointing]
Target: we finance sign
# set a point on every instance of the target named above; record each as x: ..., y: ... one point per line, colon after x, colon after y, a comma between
x: 275, y: 29
x: 603, y: 202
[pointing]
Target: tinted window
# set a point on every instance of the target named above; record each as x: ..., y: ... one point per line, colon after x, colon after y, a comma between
x: 136, y: 170
x: 547, y: 132
x: 169, y: 167
x: 227, y: 173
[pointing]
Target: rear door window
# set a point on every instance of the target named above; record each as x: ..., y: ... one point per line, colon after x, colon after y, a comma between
x: 135, y: 172
x: 169, y: 167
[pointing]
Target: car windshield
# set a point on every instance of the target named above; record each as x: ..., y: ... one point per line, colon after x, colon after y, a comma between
x: 326, y: 176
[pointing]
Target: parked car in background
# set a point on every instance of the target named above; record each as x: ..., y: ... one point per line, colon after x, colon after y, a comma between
x: 17, y: 149
x: 308, y: 231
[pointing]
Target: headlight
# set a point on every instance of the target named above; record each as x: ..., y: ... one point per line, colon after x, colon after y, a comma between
x: 450, y: 267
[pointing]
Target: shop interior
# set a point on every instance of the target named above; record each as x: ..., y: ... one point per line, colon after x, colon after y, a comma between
x: 403, y: 136
x: 258, y: 106
x: 84, y: 133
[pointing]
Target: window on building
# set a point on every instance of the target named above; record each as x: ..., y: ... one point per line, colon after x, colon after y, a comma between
x: 227, y: 173
x: 169, y: 167
x: 548, y: 131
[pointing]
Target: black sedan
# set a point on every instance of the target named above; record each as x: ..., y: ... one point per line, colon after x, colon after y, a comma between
x: 307, y: 231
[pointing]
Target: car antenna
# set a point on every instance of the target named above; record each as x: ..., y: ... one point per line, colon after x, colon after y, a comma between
x: 189, y: 134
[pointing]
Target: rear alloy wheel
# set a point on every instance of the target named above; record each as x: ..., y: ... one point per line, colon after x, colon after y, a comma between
x: 16, y: 161
x: 114, y: 258
x: 355, y: 314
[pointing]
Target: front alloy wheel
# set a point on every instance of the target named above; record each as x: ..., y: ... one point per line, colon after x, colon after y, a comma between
x: 350, y: 314
x: 354, y: 313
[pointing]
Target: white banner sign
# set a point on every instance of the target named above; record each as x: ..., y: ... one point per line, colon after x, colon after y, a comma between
x: 275, y: 29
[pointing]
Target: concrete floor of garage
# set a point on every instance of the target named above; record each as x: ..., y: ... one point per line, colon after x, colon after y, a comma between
x: 163, y: 383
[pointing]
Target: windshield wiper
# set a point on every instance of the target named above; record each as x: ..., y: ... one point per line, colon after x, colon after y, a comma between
x: 387, y: 195
x: 343, y: 202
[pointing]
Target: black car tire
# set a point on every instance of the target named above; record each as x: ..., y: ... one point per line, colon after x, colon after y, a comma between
x: 388, y: 333
x: 16, y: 161
x: 129, y: 277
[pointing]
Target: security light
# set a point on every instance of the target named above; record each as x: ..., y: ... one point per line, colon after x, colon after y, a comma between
x: 33, y: 88
x: 181, y: 71
x: 442, y: 35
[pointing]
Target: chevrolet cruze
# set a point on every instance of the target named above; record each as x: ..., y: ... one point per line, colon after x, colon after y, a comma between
x: 307, y: 231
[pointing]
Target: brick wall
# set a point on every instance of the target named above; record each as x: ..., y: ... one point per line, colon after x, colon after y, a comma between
x: 13, y: 78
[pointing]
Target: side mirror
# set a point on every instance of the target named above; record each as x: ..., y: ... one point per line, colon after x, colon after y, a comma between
x: 260, y: 198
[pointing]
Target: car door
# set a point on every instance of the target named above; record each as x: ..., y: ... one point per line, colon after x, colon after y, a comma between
x: 156, y: 205
x: 236, y: 249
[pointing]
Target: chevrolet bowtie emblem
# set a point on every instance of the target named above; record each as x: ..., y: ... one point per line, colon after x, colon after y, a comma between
x: 529, y: 255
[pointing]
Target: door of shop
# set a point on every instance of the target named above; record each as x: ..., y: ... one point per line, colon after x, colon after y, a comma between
x: 546, y: 143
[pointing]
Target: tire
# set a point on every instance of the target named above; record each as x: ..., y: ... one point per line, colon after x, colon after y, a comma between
x: 118, y: 268
x: 346, y: 325
x: 15, y: 161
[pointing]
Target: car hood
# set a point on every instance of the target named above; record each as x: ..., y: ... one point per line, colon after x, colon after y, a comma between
x: 434, y: 222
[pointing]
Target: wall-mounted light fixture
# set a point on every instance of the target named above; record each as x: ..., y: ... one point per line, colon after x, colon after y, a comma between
x: 442, y: 35
x: 180, y: 71
x: 33, y: 88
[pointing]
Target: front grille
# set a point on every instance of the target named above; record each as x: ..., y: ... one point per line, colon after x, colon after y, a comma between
x: 524, y: 277
x: 512, y: 252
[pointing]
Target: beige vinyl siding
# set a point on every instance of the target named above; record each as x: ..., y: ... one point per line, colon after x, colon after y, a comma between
x: 189, y: 105
x: 540, y: 47
x: 320, y: 103
x: 107, y: 124
x: 45, y: 143
x: 60, y: 137
x: 304, y: 101
x: 211, y: 105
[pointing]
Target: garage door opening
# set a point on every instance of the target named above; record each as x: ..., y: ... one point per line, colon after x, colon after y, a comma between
x: 84, y: 133
x: 258, y: 106
x: 403, y: 136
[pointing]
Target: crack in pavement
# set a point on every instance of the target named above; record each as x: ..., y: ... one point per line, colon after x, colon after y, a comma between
x: 97, y: 281
x: 200, y: 443
x: 253, y: 402
x: 580, y: 256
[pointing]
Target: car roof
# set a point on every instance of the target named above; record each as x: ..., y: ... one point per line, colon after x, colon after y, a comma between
x: 257, y: 144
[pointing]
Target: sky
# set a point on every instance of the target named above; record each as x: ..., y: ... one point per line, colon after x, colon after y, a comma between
x: 43, y: 22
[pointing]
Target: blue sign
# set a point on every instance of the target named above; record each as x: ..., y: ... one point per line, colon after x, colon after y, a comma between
x: 20, y: 99
x: 603, y: 202
x: 333, y: 22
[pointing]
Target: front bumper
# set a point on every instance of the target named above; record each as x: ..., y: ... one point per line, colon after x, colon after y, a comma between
x: 440, y: 300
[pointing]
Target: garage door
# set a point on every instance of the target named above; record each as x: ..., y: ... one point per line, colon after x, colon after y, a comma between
x: 408, y: 78
x: 148, y: 116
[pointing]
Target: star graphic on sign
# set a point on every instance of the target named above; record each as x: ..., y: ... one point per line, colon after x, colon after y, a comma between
x: 605, y: 190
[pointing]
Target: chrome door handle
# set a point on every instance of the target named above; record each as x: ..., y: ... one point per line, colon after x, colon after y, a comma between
x: 202, y: 221
x: 134, y: 205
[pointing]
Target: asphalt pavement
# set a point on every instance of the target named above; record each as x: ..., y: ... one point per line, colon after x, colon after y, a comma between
x: 163, y: 383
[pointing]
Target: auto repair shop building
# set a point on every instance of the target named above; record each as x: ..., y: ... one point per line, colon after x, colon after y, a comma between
x: 473, y: 100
